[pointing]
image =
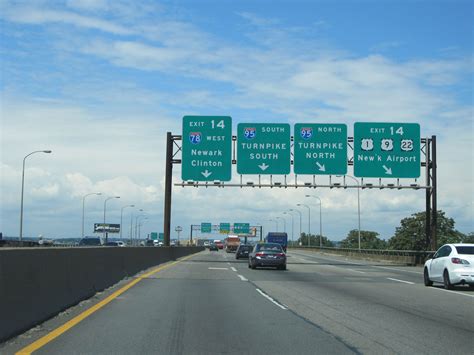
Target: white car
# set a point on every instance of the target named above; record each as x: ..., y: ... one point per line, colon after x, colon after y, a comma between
x: 452, y: 264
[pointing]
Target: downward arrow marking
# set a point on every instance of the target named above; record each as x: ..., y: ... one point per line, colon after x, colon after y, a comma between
x: 321, y: 167
x: 263, y: 166
x: 388, y: 171
x: 206, y: 173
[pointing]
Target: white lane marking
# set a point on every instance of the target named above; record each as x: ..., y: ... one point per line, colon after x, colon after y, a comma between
x: 218, y: 268
x: 360, y: 272
x: 406, y: 282
x: 455, y: 292
x: 242, y: 278
x: 233, y: 269
x: 392, y: 268
x: 270, y: 299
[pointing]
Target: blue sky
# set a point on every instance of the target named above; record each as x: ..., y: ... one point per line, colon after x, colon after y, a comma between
x: 101, y: 82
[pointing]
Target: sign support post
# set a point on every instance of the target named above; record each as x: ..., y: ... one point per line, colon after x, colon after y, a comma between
x: 168, y: 187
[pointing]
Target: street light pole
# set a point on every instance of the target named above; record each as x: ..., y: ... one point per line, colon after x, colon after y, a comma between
x: 320, y: 220
x: 309, y: 221
x: 276, y: 223
x: 121, y: 218
x: 23, y: 188
x: 292, y: 225
x: 83, y: 203
x: 105, y: 208
x: 299, y: 212
x: 284, y: 223
x: 358, y: 202
x: 136, y: 226
x: 131, y: 226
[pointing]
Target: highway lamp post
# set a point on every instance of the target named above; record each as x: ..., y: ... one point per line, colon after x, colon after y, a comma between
x: 121, y: 218
x: 105, y: 236
x: 23, y: 189
x: 320, y: 220
x: 299, y: 212
x: 292, y: 225
x: 136, y: 228
x: 309, y: 221
x: 358, y: 202
x: 178, y: 229
x: 139, y: 226
x: 131, y: 226
x: 284, y: 223
x: 276, y: 223
x: 83, y: 203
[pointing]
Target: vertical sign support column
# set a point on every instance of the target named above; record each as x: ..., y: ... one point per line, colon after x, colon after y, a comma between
x: 428, y: 195
x: 168, y: 178
x: 434, y: 207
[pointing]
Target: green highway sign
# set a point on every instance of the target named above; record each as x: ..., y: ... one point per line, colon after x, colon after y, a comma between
x: 387, y: 150
x: 241, y: 228
x: 154, y: 235
x: 224, y: 228
x: 206, y: 227
x: 161, y: 236
x: 320, y: 149
x: 263, y: 148
x: 207, y: 148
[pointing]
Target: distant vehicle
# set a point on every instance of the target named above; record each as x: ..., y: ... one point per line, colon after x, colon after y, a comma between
x: 213, y: 246
x: 90, y: 242
x: 115, y: 244
x: 206, y: 244
x: 232, y: 242
x: 158, y: 243
x: 219, y: 243
x: 452, y: 264
x: 267, y: 254
x: 279, y: 238
x: 243, y: 251
x: 148, y: 243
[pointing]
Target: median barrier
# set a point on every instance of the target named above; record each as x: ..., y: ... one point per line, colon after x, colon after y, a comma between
x: 38, y: 283
x: 403, y: 257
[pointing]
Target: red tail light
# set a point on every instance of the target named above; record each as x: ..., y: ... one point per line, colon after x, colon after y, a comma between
x: 281, y: 254
x: 459, y: 261
x: 260, y: 254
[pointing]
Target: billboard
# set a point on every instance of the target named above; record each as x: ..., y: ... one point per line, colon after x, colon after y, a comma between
x: 106, y: 227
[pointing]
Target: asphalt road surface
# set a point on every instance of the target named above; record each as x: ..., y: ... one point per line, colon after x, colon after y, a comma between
x: 211, y: 303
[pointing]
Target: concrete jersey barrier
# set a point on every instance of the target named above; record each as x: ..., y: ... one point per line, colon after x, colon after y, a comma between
x: 38, y: 283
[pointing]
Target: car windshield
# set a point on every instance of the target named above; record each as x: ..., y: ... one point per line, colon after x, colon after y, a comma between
x: 245, y: 248
x: 465, y: 250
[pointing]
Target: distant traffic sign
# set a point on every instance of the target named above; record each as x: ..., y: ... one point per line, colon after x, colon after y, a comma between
x: 387, y: 150
x: 206, y: 227
x: 241, y: 228
x: 263, y: 148
x: 224, y: 228
x: 207, y: 148
x: 320, y: 149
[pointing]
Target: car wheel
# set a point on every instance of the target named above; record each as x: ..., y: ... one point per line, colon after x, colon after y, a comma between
x: 447, y: 283
x: 426, y: 278
x: 253, y: 266
x: 249, y: 266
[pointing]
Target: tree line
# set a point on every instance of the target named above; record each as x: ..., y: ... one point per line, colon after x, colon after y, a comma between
x: 410, y: 235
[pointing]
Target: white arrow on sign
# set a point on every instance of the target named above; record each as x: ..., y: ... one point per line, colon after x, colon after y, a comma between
x: 206, y: 173
x: 263, y: 166
x: 388, y: 171
x: 321, y: 167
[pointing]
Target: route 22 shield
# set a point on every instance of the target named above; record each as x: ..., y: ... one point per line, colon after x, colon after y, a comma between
x: 306, y: 132
x: 195, y: 137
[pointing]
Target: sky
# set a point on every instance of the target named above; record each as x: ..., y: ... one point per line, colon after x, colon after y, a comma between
x: 101, y: 82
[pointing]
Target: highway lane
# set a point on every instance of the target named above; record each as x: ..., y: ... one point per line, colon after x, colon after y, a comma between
x: 213, y: 303
x: 198, y: 306
x: 375, y: 307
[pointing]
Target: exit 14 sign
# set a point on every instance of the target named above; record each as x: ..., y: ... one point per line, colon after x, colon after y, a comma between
x: 390, y: 150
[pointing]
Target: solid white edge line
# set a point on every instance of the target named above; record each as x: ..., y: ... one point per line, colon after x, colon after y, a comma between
x: 453, y: 292
x: 270, y: 299
x: 360, y: 272
x: 406, y: 282
x: 233, y: 269
x: 242, y: 278
x: 218, y: 268
x: 392, y: 268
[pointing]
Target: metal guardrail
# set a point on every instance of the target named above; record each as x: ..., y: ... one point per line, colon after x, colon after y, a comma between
x: 416, y: 257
